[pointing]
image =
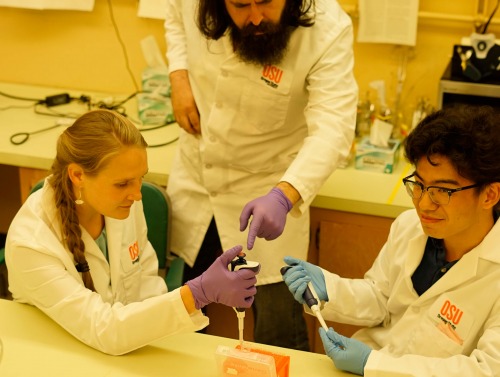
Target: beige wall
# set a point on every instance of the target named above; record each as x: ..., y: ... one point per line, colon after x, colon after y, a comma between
x: 80, y: 50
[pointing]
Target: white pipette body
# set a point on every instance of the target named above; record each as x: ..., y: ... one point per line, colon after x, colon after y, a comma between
x: 315, y: 307
x: 311, y: 298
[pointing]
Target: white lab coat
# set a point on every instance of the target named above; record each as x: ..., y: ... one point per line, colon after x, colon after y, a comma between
x: 131, y: 307
x: 294, y: 123
x: 404, y: 333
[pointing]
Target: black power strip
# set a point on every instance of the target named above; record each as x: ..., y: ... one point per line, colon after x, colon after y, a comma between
x: 58, y: 99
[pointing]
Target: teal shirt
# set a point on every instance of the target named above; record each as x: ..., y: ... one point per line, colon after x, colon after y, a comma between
x: 101, y: 241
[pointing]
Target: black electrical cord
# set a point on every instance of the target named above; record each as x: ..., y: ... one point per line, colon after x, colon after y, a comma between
x: 127, y: 99
x: 163, y: 144
x: 157, y: 127
x: 52, y: 101
x: 16, y: 107
x: 49, y: 105
x: 51, y: 112
x: 20, y: 98
x: 118, y: 107
x: 22, y: 137
x: 485, y: 28
x: 154, y: 127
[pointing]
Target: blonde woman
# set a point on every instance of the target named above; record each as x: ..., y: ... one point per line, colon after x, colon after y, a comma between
x: 68, y: 248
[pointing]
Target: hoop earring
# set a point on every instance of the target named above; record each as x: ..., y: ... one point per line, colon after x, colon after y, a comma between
x: 79, y: 201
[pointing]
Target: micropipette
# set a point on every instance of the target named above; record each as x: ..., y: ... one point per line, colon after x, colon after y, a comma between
x: 240, y: 313
x: 311, y: 298
x: 240, y: 263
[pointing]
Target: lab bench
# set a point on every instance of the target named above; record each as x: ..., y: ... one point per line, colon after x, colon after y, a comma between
x: 350, y: 216
x: 27, y: 332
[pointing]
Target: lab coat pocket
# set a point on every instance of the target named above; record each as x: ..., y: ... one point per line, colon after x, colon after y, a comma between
x: 429, y: 340
x: 131, y: 279
x: 266, y: 108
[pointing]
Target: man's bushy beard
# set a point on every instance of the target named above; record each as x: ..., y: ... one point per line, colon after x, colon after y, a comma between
x: 268, y: 48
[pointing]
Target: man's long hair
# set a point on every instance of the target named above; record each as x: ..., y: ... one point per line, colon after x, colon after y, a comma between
x: 213, y: 18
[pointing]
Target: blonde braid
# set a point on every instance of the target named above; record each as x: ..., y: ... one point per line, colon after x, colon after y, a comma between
x: 72, y: 234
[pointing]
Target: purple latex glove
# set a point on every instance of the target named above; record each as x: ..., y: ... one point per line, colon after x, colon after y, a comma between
x: 269, y: 216
x: 218, y: 284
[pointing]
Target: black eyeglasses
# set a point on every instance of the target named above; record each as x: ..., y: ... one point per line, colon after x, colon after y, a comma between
x: 439, y: 195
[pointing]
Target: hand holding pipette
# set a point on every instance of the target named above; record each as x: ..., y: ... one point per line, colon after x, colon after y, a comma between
x: 219, y: 284
x: 302, y: 273
x: 310, y: 298
x: 347, y: 354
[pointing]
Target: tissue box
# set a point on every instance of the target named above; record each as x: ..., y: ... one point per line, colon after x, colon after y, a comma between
x: 156, y: 80
x: 154, y: 109
x: 377, y: 159
x: 154, y: 104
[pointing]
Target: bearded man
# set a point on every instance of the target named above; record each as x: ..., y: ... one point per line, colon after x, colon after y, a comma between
x: 266, y: 98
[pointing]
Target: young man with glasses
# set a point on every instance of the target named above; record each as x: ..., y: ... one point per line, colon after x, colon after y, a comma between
x: 431, y: 300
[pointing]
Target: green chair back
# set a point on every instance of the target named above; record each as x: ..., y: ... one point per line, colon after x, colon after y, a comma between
x: 37, y: 186
x: 157, y: 212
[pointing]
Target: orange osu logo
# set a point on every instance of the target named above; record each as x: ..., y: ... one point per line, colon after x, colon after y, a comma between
x: 271, y: 75
x: 133, y: 251
x: 451, y: 312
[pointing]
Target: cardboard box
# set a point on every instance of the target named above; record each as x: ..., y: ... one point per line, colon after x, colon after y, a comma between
x: 377, y: 159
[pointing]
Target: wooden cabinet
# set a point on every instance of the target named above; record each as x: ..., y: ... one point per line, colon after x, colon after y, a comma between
x: 344, y: 243
x: 17, y: 183
x: 28, y: 178
x: 223, y: 322
x: 9, y: 196
x: 16, y: 188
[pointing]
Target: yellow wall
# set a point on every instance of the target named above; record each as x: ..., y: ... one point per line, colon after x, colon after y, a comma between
x: 80, y: 50
x: 73, y: 49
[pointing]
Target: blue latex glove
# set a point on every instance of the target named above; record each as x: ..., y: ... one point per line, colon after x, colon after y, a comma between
x: 302, y: 273
x: 347, y: 354
x: 218, y: 284
x: 269, y: 216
